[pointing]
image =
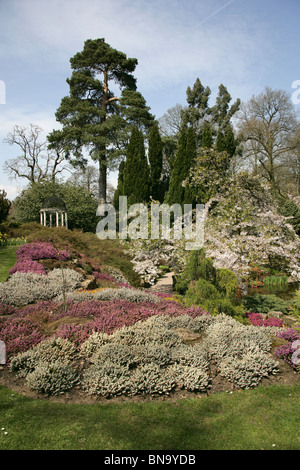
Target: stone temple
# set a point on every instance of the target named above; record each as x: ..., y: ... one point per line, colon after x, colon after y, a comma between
x: 54, y: 212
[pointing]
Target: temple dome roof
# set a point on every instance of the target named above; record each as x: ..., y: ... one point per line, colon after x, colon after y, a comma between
x: 54, y: 202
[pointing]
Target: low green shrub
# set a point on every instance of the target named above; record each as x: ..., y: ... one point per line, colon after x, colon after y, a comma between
x: 261, y: 303
x: 52, y: 349
x: 200, y: 291
x: 197, y: 267
x: 295, y: 305
x: 201, y: 267
x: 204, y: 294
x: 224, y: 305
x: 52, y: 378
x: 182, y: 282
x: 227, y: 282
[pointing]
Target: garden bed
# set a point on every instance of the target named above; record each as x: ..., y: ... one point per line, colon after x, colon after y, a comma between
x: 116, y: 342
x: 286, y: 376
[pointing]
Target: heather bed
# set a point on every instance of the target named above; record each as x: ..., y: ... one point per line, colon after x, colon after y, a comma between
x: 124, y: 341
x: 113, y: 348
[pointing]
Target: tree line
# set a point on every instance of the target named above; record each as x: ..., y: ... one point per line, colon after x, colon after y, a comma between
x: 183, y: 157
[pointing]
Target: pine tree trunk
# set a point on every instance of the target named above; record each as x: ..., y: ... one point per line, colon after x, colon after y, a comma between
x: 102, y: 180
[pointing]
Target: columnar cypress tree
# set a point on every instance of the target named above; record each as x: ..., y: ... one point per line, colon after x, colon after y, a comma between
x: 136, y: 182
x: 191, y: 154
x: 176, y: 191
x: 155, y: 155
x: 207, y: 138
x: 184, y: 158
x: 120, y: 187
x: 220, y: 144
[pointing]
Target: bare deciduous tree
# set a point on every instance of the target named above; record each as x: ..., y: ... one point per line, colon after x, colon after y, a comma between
x: 35, y: 161
x: 267, y: 123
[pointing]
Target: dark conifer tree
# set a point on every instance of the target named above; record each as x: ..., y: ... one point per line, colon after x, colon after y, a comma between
x: 176, y: 191
x: 90, y: 114
x: 120, y: 187
x: 191, y: 154
x: 184, y: 158
x: 136, y: 181
x: 155, y: 155
x: 207, y: 138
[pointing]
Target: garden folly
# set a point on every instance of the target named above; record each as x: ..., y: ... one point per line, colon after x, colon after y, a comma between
x: 161, y: 221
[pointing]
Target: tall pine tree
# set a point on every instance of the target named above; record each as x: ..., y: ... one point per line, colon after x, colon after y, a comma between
x: 90, y: 114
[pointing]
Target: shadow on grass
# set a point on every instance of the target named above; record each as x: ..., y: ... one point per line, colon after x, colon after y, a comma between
x: 248, y: 420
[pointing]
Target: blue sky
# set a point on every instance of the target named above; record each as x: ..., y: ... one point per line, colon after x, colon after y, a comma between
x: 244, y: 44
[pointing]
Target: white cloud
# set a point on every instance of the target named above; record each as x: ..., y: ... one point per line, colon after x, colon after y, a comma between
x: 173, y: 41
x: 12, y: 191
x: 18, y: 116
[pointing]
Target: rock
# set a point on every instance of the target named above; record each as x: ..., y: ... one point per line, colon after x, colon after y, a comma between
x: 89, y: 283
x: 274, y: 314
x: 187, y: 335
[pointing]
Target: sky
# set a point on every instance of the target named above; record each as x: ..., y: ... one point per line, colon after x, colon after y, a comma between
x: 244, y: 44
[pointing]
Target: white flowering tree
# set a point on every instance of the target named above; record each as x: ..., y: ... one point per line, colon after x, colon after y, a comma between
x: 243, y: 227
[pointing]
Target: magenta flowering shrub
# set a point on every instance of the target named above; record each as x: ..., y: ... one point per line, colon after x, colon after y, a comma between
x: 63, y: 255
x: 109, y: 278
x: 257, y: 319
x: 41, y: 250
x: 109, y: 316
x: 103, y: 277
x: 286, y: 351
x: 289, y: 334
x: 273, y: 322
x: 37, y: 250
x: 28, y: 266
x: 6, y: 309
x: 19, y: 335
x: 29, y: 253
x: 124, y: 284
x: 77, y: 334
x: 102, y: 316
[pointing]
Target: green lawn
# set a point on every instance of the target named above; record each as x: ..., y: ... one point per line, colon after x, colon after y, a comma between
x: 264, y: 418
x: 7, y: 260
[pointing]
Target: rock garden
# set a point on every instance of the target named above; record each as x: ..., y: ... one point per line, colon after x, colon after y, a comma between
x: 76, y: 327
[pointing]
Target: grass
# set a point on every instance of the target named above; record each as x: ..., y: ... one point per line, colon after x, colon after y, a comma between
x: 275, y: 283
x: 7, y: 260
x: 264, y: 418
